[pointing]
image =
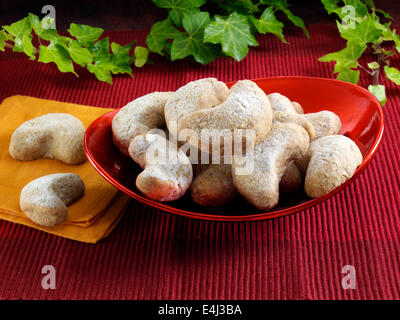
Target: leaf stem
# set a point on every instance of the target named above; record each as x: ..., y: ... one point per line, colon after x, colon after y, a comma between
x: 7, y: 45
x: 376, y: 76
x: 365, y: 69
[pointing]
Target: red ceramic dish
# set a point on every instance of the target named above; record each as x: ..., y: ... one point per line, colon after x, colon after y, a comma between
x: 359, y: 111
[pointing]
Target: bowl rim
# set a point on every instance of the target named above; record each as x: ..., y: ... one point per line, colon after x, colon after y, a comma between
x: 252, y: 217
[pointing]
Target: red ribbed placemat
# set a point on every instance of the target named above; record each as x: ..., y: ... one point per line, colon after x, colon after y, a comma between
x: 155, y: 255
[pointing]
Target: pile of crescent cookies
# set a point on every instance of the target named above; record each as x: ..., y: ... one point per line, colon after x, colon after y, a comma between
x: 287, y: 148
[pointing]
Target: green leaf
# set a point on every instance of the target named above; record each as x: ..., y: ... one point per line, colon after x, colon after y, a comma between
x: 373, y: 65
x: 363, y: 32
x: 269, y: 23
x: 369, y: 3
x: 45, y: 34
x: 3, y: 38
x: 80, y: 55
x: 101, y: 49
x: 57, y: 54
x: 21, y: 31
x: 120, y: 59
x: 331, y: 5
x: 379, y: 92
x: 388, y: 53
x: 122, y: 50
x: 141, y: 54
x: 391, y: 35
x: 393, y: 74
x: 385, y: 14
x: 86, y: 35
x: 192, y: 43
x: 359, y: 7
x: 178, y: 8
x: 348, y: 75
x: 346, y: 58
x: 20, y: 28
x: 101, y: 72
x: 103, y: 68
x: 159, y: 33
x: 185, y: 46
x: 297, y: 21
x: 194, y: 24
x: 233, y: 33
x: 24, y: 44
x: 106, y: 63
x: 243, y: 6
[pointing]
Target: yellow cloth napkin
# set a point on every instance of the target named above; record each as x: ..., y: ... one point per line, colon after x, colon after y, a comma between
x: 92, y: 217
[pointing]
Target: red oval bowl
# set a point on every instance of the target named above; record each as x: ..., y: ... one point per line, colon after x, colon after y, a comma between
x: 359, y: 110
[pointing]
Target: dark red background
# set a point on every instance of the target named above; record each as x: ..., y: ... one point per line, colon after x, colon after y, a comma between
x: 155, y: 255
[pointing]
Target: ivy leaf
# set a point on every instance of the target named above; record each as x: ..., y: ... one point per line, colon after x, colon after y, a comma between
x: 359, y: 7
x: 159, y: 33
x: 20, y: 28
x: 233, y: 33
x: 122, y: 53
x: 106, y: 63
x: 101, y: 71
x: 103, y: 68
x: 393, y: 74
x: 86, y: 35
x: 21, y: 31
x: 297, y: 21
x: 379, y: 92
x: 243, y: 6
x: 373, y: 65
x: 121, y: 58
x: 369, y: 3
x: 331, y: 5
x: 193, y: 44
x: 348, y: 75
x: 101, y: 49
x: 178, y: 8
x: 185, y: 46
x: 80, y: 55
x: 85, y: 50
x: 24, y: 44
x: 346, y: 58
x: 56, y: 53
x: 391, y: 35
x: 45, y: 34
x: 3, y: 38
x: 141, y: 54
x: 363, y: 32
x: 384, y: 13
x: 269, y: 23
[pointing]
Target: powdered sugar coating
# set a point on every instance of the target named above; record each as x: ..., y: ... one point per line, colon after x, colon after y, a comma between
x: 45, y: 199
x: 291, y: 117
x: 285, y: 142
x: 329, y: 162
x: 213, y: 185
x: 167, y: 170
x: 291, y: 179
x: 200, y: 94
x: 138, y: 117
x: 246, y: 107
x: 55, y: 136
x: 297, y: 107
x: 325, y: 123
x: 280, y: 103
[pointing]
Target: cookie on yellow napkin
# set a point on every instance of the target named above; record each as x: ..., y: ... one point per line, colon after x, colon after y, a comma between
x: 92, y: 217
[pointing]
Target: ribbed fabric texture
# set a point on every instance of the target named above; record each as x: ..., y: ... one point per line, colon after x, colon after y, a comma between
x: 155, y: 255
